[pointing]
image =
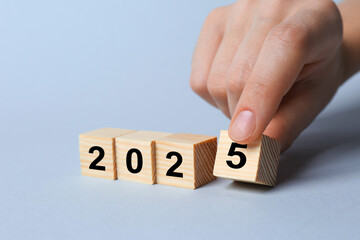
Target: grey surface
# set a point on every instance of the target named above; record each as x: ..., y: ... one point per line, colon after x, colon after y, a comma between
x: 66, y: 68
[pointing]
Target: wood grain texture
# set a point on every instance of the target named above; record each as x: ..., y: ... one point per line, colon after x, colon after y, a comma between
x: 104, y: 138
x: 262, y: 159
x: 205, y: 153
x: 144, y: 141
x: 198, y: 156
x: 269, y: 161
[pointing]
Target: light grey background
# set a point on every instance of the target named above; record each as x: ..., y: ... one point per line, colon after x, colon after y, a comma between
x: 67, y: 67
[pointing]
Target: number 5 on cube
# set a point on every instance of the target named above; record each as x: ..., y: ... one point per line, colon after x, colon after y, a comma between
x: 256, y: 162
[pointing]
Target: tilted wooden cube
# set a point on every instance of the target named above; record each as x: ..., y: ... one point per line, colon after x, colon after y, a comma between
x: 256, y: 162
x: 97, y: 152
x: 135, y: 156
x: 185, y: 160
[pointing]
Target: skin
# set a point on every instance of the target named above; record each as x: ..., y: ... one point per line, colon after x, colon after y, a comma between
x: 272, y: 66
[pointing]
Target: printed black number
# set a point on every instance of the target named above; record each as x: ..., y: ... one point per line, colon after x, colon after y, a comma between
x: 98, y: 159
x: 139, y: 158
x: 171, y: 172
x: 233, y: 152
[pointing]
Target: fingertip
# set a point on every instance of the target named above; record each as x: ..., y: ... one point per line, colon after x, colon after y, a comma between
x: 242, y: 127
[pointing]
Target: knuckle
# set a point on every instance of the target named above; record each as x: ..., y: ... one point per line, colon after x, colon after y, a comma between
x: 217, y: 92
x: 233, y: 84
x: 258, y: 89
x: 216, y: 88
x: 236, y: 78
x: 245, y: 68
x: 214, y: 15
x: 289, y: 34
x: 198, y: 85
x: 327, y: 5
x: 331, y: 11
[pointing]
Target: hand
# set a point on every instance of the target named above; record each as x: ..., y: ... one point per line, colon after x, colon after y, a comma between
x: 269, y: 65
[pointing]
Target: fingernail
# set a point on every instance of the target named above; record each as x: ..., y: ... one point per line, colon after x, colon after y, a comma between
x: 243, y: 126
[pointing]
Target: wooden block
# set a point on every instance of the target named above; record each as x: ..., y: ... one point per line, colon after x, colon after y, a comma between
x: 97, y: 152
x: 185, y: 160
x: 256, y: 162
x: 135, y: 156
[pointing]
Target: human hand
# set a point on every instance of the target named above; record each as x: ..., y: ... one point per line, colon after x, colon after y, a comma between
x: 269, y: 65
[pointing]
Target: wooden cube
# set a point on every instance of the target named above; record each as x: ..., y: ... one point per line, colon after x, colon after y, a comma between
x: 135, y: 156
x: 256, y: 162
x: 185, y: 160
x: 97, y: 152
